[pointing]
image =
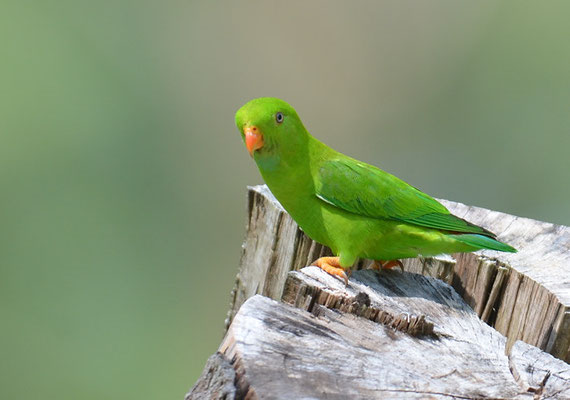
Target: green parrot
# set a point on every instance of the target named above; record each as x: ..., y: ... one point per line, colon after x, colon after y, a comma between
x: 352, y: 207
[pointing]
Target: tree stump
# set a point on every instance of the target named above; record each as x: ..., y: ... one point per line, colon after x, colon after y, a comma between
x: 524, y: 295
x: 395, y: 334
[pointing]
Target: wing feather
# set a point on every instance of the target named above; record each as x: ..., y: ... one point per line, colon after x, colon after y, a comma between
x: 366, y: 190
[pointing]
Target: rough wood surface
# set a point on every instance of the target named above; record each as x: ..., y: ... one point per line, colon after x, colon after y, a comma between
x: 524, y: 296
x: 283, y: 352
x: 531, y: 299
x: 217, y: 381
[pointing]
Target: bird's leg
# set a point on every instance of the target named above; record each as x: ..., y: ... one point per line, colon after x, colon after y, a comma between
x: 380, y: 264
x: 331, y: 265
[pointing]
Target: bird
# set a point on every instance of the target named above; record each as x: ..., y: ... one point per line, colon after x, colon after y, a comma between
x: 354, y: 208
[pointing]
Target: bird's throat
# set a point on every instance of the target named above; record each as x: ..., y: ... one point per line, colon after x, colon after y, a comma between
x: 267, y: 162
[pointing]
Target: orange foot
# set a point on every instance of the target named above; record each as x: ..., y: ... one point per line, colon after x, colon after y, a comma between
x: 380, y: 264
x: 331, y: 265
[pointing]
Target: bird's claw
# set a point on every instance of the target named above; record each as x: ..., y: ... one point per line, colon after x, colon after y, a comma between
x: 380, y: 265
x: 331, y: 265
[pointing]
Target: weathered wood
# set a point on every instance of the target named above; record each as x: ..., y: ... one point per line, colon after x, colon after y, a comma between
x: 524, y: 296
x: 217, y: 381
x: 273, y: 246
x: 533, y: 300
x: 544, y: 375
x: 285, y: 352
x: 393, y: 334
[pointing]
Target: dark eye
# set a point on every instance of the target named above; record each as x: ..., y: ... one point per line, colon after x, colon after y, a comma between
x: 279, y: 117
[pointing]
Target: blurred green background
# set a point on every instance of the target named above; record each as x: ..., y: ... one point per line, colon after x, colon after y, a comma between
x: 123, y: 176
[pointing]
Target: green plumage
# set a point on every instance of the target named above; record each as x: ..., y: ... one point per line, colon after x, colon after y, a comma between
x: 354, y: 208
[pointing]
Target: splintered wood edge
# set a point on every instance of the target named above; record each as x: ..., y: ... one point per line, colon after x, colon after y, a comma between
x: 308, y: 297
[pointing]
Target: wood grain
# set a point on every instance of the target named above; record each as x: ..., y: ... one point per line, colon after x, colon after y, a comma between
x: 533, y: 300
x: 310, y: 349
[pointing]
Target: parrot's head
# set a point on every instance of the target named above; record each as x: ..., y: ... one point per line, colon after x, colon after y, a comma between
x: 271, y: 129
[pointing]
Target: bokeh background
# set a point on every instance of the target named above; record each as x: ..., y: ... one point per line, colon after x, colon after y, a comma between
x: 123, y: 177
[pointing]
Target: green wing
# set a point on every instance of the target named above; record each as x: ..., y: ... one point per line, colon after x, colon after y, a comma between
x: 366, y: 190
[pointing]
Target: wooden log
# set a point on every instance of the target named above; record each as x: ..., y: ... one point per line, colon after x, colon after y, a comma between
x: 525, y: 296
x: 309, y: 349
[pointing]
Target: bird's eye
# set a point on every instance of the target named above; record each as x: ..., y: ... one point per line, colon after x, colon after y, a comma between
x: 279, y: 117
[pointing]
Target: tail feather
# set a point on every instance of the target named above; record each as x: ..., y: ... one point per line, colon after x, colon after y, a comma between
x: 484, y: 242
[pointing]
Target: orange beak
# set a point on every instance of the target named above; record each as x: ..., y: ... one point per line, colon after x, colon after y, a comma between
x: 253, y: 139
